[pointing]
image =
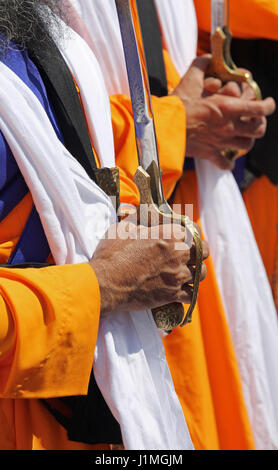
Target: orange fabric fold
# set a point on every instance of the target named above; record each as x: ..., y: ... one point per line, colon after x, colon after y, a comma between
x: 261, y: 200
x: 55, y: 330
x: 49, y: 322
x: 203, y: 363
x: 262, y: 18
x: 171, y: 147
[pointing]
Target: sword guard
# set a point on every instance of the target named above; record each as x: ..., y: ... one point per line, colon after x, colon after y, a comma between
x: 167, y: 317
x: 222, y: 66
x: 108, y: 179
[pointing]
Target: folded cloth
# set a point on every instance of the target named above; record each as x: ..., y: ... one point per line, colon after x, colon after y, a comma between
x: 129, y: 364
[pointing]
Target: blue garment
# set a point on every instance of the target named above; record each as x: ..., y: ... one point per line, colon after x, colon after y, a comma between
x: 32, y: 246
x: 238, y: 172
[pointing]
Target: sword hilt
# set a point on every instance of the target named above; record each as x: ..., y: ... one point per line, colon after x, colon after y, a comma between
x: 223, y: 67
x: 168, y: 317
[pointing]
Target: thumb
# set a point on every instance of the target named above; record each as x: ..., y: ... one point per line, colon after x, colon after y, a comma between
x: 200, y: 65
x: 193, y: 81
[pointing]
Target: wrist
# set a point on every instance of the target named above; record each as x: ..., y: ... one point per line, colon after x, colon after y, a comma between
x: 99, y: 269
x: 113, y: 295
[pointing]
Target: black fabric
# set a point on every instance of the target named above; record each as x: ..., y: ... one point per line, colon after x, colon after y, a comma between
x: 260, y: 56
x: 91, y: 422
x: 24, y: 265
x: 88, y: 418
x: 63, y: 95
x: 153, y: 47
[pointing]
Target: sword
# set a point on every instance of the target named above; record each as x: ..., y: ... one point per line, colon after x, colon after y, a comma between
x: 148, y: 175
x: 222, y: 65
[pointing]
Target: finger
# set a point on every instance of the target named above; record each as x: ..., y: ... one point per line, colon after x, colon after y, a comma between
x: 219, y: 160
x: 212, y: 85
x: 231, y: 89
x: 198, y: 228
x: 235, y: 107
x: 185, y: 295
x: 254, y: 128
x: 177, y: 232
x: 193, y: 253
x: 203, y: 272
x: 248, y: 93
x: 202, y: 61
x: 198, y: 68
x: 205, y: 247
x: 239, y: 143
x: 190, y: 277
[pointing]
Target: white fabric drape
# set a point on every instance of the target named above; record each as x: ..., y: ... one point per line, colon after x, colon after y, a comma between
x: 179, y: 30
x: 129, y: 364
x: 101, y: 20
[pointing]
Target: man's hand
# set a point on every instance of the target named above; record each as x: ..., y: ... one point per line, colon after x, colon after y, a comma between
x: 220, y: 118
x: 147, y: 269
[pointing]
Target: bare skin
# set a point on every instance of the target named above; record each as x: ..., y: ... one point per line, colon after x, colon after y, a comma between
x: 142, y: 272
x: 219, y: 117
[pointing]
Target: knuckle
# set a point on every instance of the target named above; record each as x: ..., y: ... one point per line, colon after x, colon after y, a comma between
x: 247, y: 143
x: 205, y: 246
x: 261, y: 131
x: 162, y: 244
x: 261, y: 108
x: 203, y: 272
x: 229, y: 129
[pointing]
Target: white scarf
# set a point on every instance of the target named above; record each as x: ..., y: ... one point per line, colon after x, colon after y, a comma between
x: 240, y: 273
x: 239, y: 269
x: 129, y: 364
x: 101, y: 19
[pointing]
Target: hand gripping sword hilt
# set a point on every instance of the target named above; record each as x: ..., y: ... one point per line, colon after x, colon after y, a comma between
x: 223, y: 67
x: 168, y: 317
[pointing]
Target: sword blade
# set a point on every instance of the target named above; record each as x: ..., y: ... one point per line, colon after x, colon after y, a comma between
x: 140, y: 93
x: 219, y: 14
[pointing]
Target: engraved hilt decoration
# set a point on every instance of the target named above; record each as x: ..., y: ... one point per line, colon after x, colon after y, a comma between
x: 108, y: 179
x: 222, y: 65
x: 148, y: 175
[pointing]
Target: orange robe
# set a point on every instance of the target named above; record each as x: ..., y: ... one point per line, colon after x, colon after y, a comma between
x: 48, y: 329
x: 261, y: 198
x: 201, y: 356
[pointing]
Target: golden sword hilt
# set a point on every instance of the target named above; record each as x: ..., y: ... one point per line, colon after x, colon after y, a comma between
x: 167, y: 317
x: 223, y: 67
